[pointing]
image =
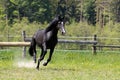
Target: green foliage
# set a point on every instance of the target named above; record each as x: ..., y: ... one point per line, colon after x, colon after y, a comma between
x: 111, y: 31
x: 89, y: 11
x: 82, y: 29
x: 115, y: 9
x: 40, y: 11
x: 44, y: 10
x: 79, y: 29
x: 16, y: 29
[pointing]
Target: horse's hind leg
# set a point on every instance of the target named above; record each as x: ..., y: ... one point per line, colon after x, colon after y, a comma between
x: 44, y: 51
x: 34, y: 56
x: 49, y: 59
x: 34, y: 48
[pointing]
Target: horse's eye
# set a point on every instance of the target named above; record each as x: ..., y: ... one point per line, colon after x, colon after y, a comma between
x: 59, y: 22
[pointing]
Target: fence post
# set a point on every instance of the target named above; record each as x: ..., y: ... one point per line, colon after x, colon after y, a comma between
x: 94, y: 45
x: 24, y: 47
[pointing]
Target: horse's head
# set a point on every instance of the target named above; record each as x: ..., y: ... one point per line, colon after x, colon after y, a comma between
x: 61, y: 24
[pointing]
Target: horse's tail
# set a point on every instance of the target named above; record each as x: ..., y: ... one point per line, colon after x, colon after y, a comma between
x: 31, y: 49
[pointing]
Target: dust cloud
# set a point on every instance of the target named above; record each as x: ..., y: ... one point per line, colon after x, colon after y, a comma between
x: 26, y: 64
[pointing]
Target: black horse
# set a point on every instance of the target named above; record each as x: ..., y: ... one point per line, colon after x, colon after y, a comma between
x: 46, y: 39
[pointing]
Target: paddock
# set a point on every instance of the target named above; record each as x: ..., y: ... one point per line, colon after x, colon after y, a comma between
x: 65, y: 65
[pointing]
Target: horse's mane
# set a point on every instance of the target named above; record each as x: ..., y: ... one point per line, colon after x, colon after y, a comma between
x: 52, y: 25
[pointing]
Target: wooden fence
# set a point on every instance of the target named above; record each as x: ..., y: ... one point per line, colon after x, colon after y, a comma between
x: 27, y: 40
x: 16, y: 44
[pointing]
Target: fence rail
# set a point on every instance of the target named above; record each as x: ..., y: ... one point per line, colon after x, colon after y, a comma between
x: 28, y: 39
x: 14, y: 44
x: 108, y: 46
x: 77, y: 41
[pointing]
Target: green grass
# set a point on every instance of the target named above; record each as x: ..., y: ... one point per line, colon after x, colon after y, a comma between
x: 65, y: 65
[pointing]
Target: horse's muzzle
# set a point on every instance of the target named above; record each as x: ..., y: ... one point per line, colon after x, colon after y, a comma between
x: 63, y: 32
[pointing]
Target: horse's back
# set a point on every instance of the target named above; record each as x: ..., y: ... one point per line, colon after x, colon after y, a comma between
x: 39, y: 36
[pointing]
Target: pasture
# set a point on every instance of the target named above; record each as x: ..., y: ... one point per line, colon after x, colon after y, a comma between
x: 65, y: 65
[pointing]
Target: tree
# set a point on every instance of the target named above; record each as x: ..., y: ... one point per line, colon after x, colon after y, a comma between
x: 2, y: 9
x: 116, y: 10
x: 61, y: 8
x: 70, y: 9
x: 40, y: 11
x: 89, y: 12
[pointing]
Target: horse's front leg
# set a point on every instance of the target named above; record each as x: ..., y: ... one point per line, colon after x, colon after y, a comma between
x: 44, y: 51
x: 49, y: 59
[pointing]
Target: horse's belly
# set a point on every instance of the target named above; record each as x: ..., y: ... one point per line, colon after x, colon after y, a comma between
x: 51, y: 44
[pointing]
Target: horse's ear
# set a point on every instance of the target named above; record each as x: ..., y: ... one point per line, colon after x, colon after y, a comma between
x: 63, y: 17
x: 59, y: 17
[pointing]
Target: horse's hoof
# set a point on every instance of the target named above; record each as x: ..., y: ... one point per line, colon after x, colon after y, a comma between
x: 35, y: 61
x: 37, y: 68
x: 45, y: 64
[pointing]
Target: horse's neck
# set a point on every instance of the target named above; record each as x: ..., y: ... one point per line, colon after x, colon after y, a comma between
x: 51, y: 26
x: 52, y: 34
x: 55, y: 31
x: 52, y: 31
